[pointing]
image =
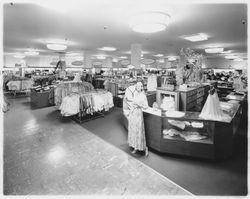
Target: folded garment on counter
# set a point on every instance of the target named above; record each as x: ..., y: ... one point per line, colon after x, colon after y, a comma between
x: 176, y: 123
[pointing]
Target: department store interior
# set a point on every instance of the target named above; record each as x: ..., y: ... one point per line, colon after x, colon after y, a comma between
x: 68, y: 73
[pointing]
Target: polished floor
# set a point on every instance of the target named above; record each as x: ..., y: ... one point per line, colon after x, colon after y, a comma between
x: 45, y: 154
x: 227, y: 177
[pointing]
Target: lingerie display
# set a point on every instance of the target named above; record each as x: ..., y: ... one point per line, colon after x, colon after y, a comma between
x: 66, y: 88
x: 87, y: 103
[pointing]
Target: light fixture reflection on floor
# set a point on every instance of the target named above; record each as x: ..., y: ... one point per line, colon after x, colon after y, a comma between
x: 149, y: 22
x: 56, y: 46
x: 56, y: 154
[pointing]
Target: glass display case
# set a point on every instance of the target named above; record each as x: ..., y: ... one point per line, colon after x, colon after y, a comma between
x: 190, y: 135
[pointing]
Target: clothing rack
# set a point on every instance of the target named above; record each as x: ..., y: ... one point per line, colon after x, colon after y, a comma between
x: 80, y: 117
x: 88, y: 117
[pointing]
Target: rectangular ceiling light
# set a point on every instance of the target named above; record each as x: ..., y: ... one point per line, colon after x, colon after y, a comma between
x: 231, y: 57
x: 214, y: 50
x: 196, y: 37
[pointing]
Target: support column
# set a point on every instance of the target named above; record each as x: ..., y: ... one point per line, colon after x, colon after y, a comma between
x: 136, y: 55
x: 87, y: 64
x: 108, y: 62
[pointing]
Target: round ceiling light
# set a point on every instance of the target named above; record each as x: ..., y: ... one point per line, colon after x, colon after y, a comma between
x: 56, y: 46
x: 31, y: 53
x: 214, y: 50
x: 171, y: 59
x: 231, y: 57
x: 149, y: 22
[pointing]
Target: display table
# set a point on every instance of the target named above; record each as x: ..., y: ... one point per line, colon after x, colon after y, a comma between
x: 41, y: 99
x: 217, y: 144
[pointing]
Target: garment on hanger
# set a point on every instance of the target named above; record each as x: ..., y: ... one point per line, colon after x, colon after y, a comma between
x: 87, y: 103
x: 64, y: 89
x: 152, y: 82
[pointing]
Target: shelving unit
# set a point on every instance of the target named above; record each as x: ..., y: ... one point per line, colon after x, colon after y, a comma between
x: 161, y: 92
x: 193, y: 98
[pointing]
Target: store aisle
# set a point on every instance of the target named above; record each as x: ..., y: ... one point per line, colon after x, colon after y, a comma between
x: 47, y: 154
x: 199, y: 176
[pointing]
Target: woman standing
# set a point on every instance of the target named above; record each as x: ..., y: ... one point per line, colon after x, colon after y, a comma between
x: 134, y: 101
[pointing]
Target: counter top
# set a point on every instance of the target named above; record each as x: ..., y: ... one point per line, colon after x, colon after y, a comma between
x: 192, y: 115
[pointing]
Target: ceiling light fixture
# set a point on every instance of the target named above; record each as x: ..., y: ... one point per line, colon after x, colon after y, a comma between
x: 56, y: 46
x: 72, y: 54
x: 79, y: 58
x: 159, y: 55
x: 123, y: 57
x: 19, y: 56
x: 161, y: 60
x: 107, y: 48
x: 31, y: 53
x: 114, y: 60
x: 101, y: 57
x: 238, y: 59
x: 171, y: 59
x: 226, y: 52
x: 149, y: 22
x: 231, y: 57
x: 214, y: 50
x: 196, y: 37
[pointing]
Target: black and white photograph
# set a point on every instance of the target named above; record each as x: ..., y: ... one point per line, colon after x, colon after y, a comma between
x: 124, y: 98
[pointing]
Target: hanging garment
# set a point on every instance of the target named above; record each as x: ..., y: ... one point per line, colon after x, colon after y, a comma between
x: 26, y: 84
x: 152, y: 82
x: 70, y: 105
x: 64, y: 89
x: 128, y: 100
x: 14, y: 85
x: 212, y: 109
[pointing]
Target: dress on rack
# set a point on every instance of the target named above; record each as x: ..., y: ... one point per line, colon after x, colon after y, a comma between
x: 87, y: 103
x: 134, y: 102
x: 66, y: 88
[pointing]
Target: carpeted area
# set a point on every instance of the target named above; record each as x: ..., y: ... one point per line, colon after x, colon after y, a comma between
x: 199, y: 176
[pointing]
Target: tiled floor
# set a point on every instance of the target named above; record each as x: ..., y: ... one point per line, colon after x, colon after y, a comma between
x: 46, y: 154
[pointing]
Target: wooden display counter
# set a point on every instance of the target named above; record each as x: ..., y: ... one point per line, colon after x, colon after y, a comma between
x: 41, y: 99
x: 216, y: 144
